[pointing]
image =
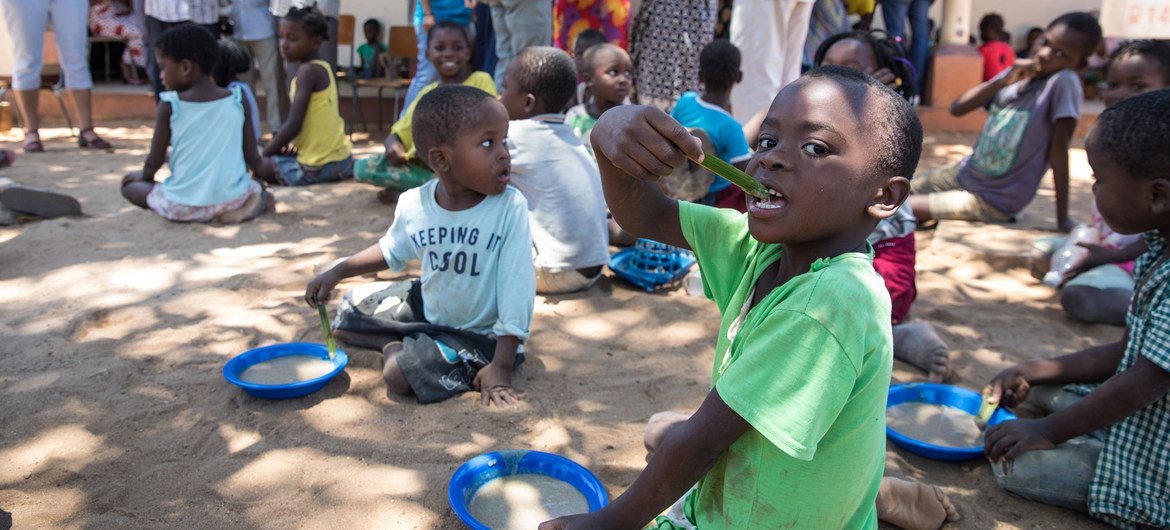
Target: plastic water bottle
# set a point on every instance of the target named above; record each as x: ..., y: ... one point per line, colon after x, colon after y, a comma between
x: 1071, y: 254
x: 693, y: 282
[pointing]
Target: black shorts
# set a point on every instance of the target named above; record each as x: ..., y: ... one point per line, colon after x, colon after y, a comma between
x: 439, y: 362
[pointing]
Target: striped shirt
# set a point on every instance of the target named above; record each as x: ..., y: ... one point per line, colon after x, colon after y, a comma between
x: 329, y: 8
x: 1131, y: 486
x: 197, y: 11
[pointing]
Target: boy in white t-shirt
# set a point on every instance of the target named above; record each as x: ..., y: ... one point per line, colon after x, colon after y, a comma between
x: 551, y: 167
x: 460, y: 326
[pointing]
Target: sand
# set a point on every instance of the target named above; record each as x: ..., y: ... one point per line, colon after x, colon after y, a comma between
x: 285, y: 370
x: 115, y: 328
x: 522, y: 502
x: 934, y: 424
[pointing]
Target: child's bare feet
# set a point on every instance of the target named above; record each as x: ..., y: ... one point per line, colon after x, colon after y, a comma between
x: 914, y: 505
x: 656, y: 429
x: 252, y: 208
x: 391, y: 373
x: 918, y: 344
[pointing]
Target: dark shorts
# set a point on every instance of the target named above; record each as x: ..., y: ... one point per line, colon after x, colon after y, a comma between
x: 439, y: 362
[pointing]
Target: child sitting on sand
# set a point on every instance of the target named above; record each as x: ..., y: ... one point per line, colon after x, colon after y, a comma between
x: 1034, y: 107
x: 311, y: 147
x: 1098, y: 290
x: 792, y: 432
x: 554, y: 172
x: 209, y: 132
x: 1105, y: 448
x: 461, y: 325
x: 400, y: 169
x: 711, y: 112
x: 233, y: 61
x: 607, y: 75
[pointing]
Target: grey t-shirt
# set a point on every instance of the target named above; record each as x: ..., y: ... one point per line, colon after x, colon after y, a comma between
x: 566, y: 207
x: 1011, y: 154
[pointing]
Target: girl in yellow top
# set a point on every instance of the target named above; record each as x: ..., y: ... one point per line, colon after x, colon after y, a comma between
x: 449, y: 50
x: 311, y: 147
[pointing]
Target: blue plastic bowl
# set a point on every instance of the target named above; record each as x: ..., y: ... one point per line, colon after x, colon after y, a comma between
x: 650, y: 264
x: 479, y: 470
x: 951, y: 396
x: 241, y: 362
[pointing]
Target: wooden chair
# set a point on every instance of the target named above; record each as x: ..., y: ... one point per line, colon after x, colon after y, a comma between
x: 403, y: 46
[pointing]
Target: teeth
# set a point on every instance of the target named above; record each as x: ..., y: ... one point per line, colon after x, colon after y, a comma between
x: 774, y: 193
x: 767, y: 205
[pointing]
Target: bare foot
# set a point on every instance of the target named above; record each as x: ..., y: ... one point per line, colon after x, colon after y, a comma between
x: 918, y: 344
x: 656, y: 428
x: 256, y: 204
x: 914, y: 505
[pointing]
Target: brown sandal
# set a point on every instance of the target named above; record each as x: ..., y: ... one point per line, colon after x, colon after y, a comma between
x: 33, y: 144
x: 92, y: 143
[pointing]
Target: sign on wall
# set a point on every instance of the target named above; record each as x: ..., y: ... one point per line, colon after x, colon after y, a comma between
x: 1136, y: 19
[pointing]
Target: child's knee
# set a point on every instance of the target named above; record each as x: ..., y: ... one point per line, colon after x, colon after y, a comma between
x: 391, y: 373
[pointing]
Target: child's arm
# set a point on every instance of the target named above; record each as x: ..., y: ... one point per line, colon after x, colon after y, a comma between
x: 634, y: 146
x: 980, y: 94
x: 1058, y: 143
x: 158, y: 143
x: 395, y: 151
x: 1102, y: 255
x: 1093, y: 365
x: 1117, y: 398
x: 310, y: 78
x: 688, y: 450
x: 364, y: 262
x: 252, y: 157
x: 494, y: 381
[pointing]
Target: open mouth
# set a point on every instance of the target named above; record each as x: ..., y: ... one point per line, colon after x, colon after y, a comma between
x: 505, y: 176
x: 775, y: 201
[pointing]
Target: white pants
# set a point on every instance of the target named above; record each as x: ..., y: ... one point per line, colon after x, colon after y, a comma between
x: 519, y: 24
x: 770, y: 35
x: 27, y: 21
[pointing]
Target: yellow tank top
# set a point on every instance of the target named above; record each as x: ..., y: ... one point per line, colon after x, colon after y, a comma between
x: 322, y: 138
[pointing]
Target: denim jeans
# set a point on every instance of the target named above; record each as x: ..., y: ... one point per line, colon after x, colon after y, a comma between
x: 894, y: 14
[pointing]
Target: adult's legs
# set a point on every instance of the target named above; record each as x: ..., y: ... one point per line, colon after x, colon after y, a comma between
x: 519, y: 24
x: 328, y: 50
x: 154, y: 28
x: 271, y: 71
x: 425, y: 74
x: 69, y: 24
x: 26, y: 22
x: 894, y: 13
x: 756, y: 31
x: 920, y: 37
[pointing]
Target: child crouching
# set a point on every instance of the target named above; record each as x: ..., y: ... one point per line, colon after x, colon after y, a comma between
x: 460, y: 326
x: 209, y: 132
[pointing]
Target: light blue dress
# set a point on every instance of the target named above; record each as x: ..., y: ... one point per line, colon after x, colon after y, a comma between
x: 207, y: 151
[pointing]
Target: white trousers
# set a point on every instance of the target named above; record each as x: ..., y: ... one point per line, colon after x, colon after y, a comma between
x: 770, y: 35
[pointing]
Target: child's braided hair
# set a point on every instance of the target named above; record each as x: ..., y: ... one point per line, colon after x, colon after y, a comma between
x: 311, y: 19
x: 889, y: 53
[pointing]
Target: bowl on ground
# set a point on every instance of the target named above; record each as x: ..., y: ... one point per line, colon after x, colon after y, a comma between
x: 963, y: 399
x: 474, y: 473
x: 235, y: 367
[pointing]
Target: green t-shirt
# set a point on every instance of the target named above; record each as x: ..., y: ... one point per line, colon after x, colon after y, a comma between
x: 366, y: 53
x: 808, y: 368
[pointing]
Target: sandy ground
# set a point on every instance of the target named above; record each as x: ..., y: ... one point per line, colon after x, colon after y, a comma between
x: 115, y: 327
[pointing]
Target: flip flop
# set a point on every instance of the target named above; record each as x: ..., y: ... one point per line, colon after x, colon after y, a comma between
x: 36, y: 202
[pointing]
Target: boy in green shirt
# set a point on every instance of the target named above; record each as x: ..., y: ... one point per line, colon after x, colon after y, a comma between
x: 792, y: 433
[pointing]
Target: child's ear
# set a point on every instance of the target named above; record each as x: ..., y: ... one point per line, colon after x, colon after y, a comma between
x: 529, y: 103
x: 1159, y: 194
x: 738, y: 76
x: 889, y: 197
x: 439, y: 159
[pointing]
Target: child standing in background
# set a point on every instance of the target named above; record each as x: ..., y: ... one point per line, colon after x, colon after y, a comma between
x: 997, y: 53
x: 585, y: 40
x: 311, y: 146
x: 608, y: 78
x: 1034, y: 107
x: 399, y: 169
x: 1105, y: 447
x: 555, y: 173
x: 233, y: 61
x: 370, y: 51
x: 460, y: 327
x: 718, y: 72
x: 209, y: 132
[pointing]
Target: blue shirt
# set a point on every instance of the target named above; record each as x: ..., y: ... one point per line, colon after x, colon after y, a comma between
x: 207, y: 150
x: 725, y: 132
x: 453, y: 10
x: 253, y: 21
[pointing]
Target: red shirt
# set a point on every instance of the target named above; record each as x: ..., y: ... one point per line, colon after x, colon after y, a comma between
x: 997, y: 57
